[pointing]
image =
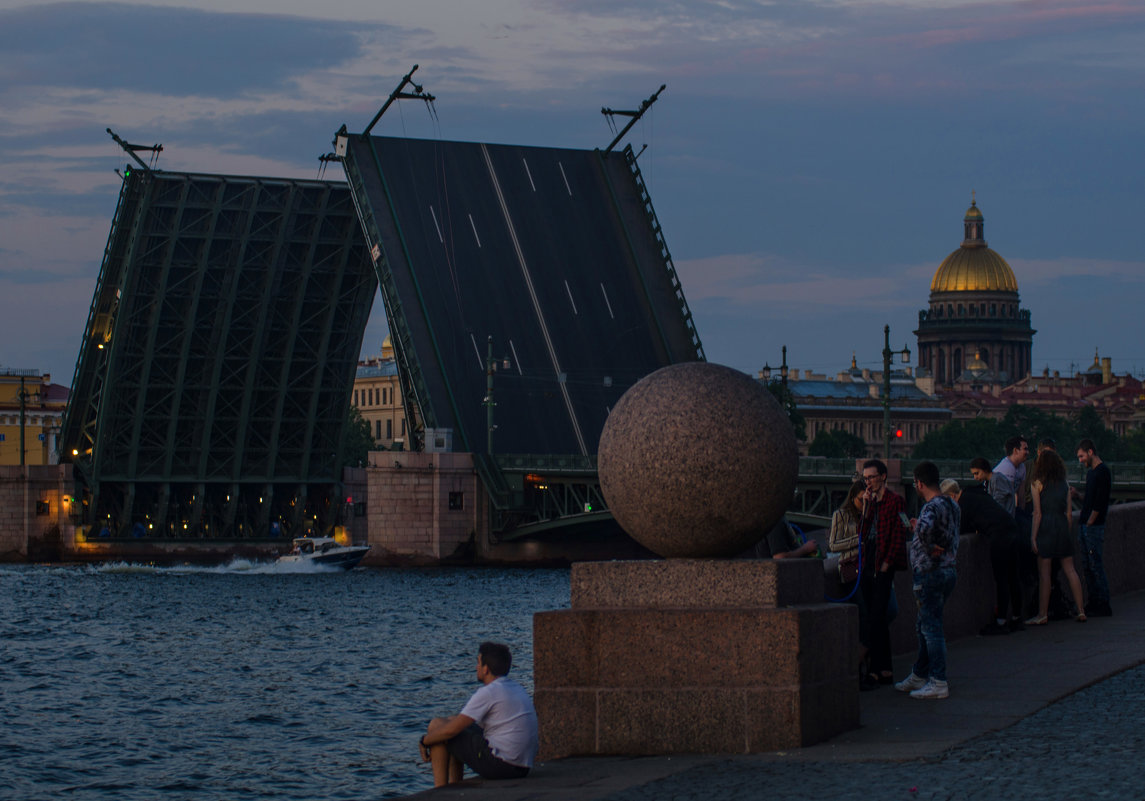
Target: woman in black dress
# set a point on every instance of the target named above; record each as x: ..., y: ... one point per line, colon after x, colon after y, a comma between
x: 1049, y: 535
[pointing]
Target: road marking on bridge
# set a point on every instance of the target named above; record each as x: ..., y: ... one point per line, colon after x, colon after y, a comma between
x: 474, y: 225
x: 569, y: 188
x: 604, y: 292
x: 533, y: 295
x: 435, y: 225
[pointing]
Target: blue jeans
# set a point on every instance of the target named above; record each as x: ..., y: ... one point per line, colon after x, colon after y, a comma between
x: 1092, y: 542
x: 931, y: 589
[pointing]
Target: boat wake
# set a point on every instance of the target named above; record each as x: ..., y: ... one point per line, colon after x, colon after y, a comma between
x: 236, y: 566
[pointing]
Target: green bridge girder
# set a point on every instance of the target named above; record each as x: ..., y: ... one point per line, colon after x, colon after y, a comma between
x: 213, y: 380
x: 539, y: 495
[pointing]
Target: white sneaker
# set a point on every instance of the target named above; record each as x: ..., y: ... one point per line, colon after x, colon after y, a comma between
x: 932, y: 689
x: 910, y: 683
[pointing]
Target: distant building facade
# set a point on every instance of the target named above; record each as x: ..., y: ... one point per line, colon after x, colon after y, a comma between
x: 975, y: 314
x: 852, y: 401
x: 1118, y: 399
x: 377, y: 395
x: 30, y: 403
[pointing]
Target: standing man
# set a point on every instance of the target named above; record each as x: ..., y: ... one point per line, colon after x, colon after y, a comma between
x: 881, y: 526
x: 495, y: 733
x: 1007, y: 478
x: 982, y: 513
x: 1091, y: 527
x: 933, y: 554
x: 980, y: 470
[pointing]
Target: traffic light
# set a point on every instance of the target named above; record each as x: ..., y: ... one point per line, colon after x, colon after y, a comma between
x: 898, y: 433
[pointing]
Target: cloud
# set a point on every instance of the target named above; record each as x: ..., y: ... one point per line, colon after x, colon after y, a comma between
x: 791, y: 289
x: 810, y: 161
x: 1041, y: 272
x: 173, y: 51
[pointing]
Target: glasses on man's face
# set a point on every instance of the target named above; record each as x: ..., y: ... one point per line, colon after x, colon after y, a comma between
x: 869, y: 479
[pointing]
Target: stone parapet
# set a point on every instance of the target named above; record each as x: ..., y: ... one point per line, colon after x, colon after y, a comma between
x: 752, y: 662
x: 692, y: 583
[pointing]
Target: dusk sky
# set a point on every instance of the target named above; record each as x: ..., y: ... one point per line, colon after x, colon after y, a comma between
x: 810, y: 161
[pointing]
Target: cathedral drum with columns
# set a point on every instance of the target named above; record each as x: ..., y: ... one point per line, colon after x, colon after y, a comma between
x: 974, y: 315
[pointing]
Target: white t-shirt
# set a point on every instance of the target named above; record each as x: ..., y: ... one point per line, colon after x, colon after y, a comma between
x: 505, y: 713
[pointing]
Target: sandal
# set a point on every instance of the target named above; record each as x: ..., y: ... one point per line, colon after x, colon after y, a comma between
x: 1081, y: 618
x: 1041, y: 620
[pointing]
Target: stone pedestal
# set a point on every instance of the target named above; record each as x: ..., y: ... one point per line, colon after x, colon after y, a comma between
x: 694, y: 656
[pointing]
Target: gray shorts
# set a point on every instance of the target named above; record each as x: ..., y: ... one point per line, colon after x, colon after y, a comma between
x: 471, y: 748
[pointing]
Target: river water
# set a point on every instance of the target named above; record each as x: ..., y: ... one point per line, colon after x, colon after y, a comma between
x: 244, y: 681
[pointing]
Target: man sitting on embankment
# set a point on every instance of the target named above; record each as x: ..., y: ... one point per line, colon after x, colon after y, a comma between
x: 495, y: 733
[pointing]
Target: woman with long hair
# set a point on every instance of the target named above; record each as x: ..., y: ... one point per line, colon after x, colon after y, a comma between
x: 844, y: 538
x: 1049, y: 536
x: 846, y: 527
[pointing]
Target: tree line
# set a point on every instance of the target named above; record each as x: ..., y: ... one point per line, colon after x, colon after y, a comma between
x: 981, y: 436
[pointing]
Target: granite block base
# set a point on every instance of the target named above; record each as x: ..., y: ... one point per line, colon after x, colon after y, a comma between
x: 655, y: 676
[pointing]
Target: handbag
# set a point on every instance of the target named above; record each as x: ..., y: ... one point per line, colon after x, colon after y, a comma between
x: 848, y: 570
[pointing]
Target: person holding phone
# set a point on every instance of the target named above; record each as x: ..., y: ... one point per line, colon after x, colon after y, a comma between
x: 933, y: 556
x: 885, y: 538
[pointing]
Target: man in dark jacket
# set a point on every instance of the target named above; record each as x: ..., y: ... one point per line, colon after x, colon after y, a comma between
x: 1091, y: 526
x: 981, y: 513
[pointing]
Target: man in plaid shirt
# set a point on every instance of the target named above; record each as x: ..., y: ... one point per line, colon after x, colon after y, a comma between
x: 883, y: 529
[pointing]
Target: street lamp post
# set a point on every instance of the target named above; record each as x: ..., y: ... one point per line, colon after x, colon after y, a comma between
x: 887, y: 355
x: 765, y: 373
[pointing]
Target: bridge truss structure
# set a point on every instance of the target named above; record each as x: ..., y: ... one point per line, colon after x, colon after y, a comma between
x: 213, y: 381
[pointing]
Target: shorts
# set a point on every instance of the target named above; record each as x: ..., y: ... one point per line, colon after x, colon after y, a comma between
x: 471, y: 748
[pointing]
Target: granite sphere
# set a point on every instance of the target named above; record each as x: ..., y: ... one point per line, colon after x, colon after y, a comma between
x: 698, y: 460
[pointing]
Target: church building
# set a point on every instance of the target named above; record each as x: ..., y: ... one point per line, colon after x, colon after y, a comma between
x: 974, y: 317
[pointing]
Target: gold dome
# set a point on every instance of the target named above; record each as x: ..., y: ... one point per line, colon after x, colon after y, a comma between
x: 974, y: 267
x: 977, y: 269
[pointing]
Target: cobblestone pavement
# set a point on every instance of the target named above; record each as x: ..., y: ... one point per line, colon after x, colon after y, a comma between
x: 1086, y: 746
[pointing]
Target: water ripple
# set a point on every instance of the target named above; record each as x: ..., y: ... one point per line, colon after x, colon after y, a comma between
x: 128, y: 681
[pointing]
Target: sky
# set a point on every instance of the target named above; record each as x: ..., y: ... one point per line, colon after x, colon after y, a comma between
x: 810, y: 161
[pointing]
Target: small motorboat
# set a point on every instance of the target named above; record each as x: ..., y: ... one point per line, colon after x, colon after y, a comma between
x: 324, y: 551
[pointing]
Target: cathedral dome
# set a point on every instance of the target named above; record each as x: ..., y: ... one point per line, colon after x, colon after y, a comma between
x: 974, y: 267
